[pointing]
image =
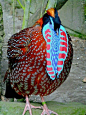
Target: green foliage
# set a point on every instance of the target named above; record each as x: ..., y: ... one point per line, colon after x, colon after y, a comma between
x: 21, y: 4
x: 85, y: 10
x: 26, y: 9
x: 26, y: 6
x: 82, y: 36
x: 26, y: 14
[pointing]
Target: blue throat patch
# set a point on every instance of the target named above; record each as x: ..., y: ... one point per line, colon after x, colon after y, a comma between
x: 56, y: 48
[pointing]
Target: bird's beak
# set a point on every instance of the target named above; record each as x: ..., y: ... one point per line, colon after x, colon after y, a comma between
x: 51, y: 12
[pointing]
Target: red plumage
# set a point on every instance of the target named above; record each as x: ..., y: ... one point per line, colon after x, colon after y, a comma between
x: 27, y: 63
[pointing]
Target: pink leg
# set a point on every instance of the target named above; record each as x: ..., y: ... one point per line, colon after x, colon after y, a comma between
x: 28, y: 107
x: 45, y: 109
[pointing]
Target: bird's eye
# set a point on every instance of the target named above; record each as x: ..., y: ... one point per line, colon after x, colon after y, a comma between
x: 50, y: 22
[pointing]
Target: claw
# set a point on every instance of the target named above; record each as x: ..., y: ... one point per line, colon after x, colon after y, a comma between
x: 46, y: 111
x: 28, y: 107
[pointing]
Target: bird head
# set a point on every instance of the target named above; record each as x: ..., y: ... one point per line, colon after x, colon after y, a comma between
x: 52, y: 17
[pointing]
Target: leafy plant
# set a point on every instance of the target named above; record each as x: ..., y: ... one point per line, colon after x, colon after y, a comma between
x: 26, y: 9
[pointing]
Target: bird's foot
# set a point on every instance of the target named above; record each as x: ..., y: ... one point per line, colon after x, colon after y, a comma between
x: 28, y: 107
x: 46, y: 111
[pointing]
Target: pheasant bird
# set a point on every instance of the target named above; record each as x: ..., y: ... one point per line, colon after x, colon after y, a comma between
x: 40, y: 59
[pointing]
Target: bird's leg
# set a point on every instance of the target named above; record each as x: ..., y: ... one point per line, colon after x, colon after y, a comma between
x: 46, y: 111
x: 28, y: 107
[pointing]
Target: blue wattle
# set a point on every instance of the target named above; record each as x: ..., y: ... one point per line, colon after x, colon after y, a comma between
x: 55, y: 45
